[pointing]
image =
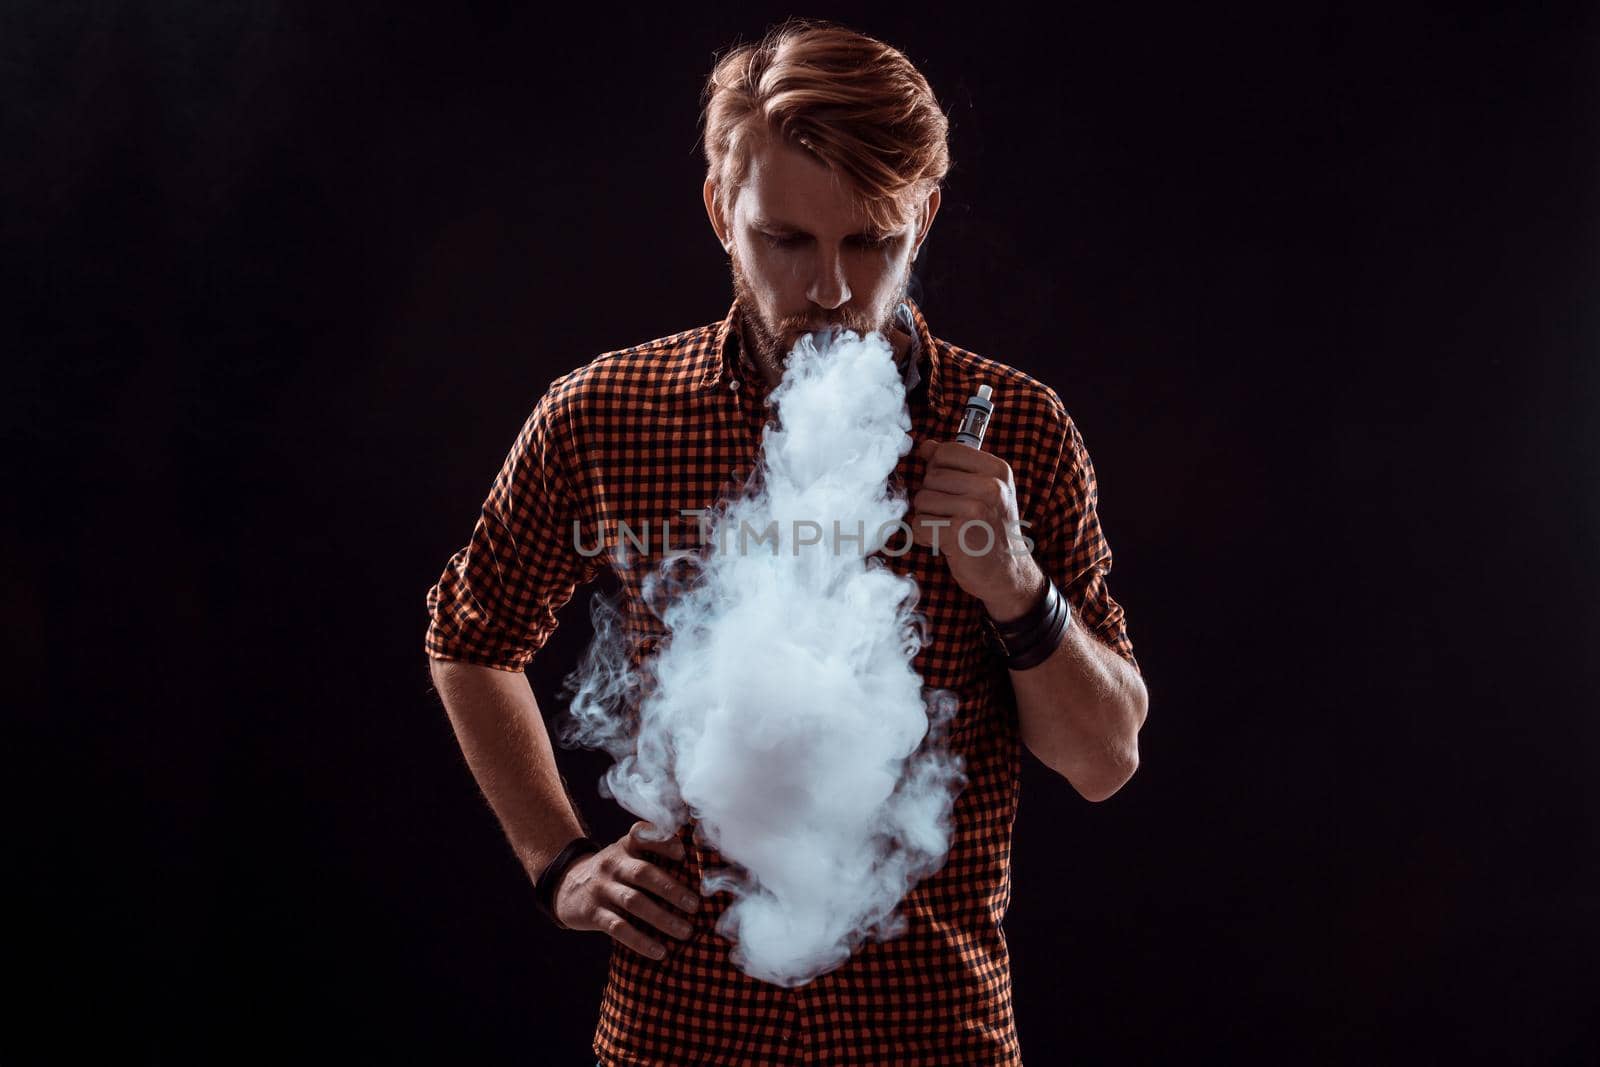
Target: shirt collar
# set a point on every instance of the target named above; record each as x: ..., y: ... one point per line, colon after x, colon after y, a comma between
x: 729, y: 362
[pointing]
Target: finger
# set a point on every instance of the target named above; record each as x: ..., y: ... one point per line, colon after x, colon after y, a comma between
x: 636, y: 904
x: 648, y: 876
x: 962, y: 483
x: 623, y: 932
x: 637, y: 844
x: 944, y: 505
x: 955, y: 454
x: 672, y: 846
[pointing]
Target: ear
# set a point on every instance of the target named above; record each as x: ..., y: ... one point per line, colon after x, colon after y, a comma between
x: 719, y: 225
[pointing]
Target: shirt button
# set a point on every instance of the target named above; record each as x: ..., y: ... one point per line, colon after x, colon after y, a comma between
x: 734, y: 385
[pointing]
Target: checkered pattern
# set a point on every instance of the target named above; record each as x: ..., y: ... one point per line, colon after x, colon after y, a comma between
x: 675, y: 423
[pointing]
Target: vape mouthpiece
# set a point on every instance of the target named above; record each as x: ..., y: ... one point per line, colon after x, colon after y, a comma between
x: 975, y: 420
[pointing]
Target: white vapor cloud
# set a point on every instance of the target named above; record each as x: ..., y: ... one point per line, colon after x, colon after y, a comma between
x: 781, y: 712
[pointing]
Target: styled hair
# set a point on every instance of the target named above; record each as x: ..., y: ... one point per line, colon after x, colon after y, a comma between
x: 856, y: 104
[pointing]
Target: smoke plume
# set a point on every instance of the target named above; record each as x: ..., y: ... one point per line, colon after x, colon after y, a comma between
x: 781, y: 712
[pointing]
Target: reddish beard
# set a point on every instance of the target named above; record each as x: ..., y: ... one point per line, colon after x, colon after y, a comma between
x: 769, y: 346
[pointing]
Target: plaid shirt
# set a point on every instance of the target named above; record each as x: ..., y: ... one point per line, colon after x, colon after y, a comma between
x: 638, y: 434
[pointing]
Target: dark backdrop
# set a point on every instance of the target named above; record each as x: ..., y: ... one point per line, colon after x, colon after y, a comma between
x: 1317, y: 283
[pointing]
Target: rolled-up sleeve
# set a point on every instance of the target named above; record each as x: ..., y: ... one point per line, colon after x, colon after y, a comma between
x: 496, y: 602
x: 1068, y: 543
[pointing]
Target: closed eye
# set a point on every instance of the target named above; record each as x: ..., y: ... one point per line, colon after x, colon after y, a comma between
x: 794, y: 240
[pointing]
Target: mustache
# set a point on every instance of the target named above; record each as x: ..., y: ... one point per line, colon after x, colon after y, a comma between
x: 797, y: 326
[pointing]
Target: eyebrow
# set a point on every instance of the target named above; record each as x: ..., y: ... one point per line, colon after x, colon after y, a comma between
x: 778, y: 224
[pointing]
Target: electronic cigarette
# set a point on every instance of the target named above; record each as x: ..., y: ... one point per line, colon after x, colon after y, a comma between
x: 975, y: 420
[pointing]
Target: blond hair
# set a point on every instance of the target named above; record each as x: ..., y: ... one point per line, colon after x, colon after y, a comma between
x: 856, y: 104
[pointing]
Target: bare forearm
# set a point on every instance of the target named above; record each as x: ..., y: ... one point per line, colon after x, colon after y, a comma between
x: 1080, y: 712
x: 501, y: 731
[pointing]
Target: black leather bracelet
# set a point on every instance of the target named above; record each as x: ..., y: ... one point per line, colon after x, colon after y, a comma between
x: 1031, y: 619
x: 1037, y: 647
x: 545, y: 887
x: 1029, y: 641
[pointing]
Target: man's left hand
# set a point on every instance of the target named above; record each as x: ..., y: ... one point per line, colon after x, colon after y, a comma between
x: 962, y: 486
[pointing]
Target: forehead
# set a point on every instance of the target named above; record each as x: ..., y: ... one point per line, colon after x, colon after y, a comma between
x: 788, y: 186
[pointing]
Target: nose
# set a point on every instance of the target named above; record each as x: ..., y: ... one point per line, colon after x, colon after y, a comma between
x: 829, y: 286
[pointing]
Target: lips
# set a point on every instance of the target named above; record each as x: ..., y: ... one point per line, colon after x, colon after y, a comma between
x: 825, y: 327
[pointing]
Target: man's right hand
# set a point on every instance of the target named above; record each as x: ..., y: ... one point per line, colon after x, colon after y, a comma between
x: 610, y: 891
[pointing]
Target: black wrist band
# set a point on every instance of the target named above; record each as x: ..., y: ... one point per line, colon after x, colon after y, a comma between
x: 1031, y: 619
x: 1029, y: 641
x: 1037, y: 647
x: 545, y: 887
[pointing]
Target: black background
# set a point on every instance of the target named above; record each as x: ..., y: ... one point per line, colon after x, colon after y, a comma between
x: 1317, y: 282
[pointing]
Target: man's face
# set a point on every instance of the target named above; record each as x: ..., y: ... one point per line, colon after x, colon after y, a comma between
x: 805, y: 257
